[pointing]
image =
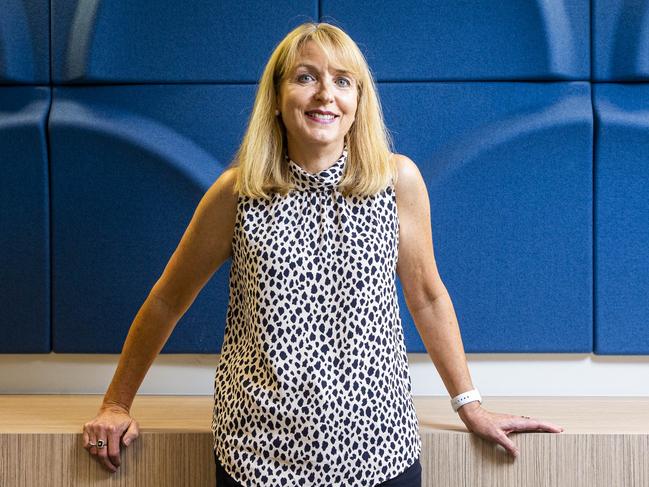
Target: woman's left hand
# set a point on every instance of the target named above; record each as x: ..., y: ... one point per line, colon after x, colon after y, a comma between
x: 495, y: 426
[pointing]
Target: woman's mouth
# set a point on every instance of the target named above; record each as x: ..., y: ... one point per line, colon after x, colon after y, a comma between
x: 321, y: 119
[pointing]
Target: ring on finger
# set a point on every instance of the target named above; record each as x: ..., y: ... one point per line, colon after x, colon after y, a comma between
x: 99, y: 444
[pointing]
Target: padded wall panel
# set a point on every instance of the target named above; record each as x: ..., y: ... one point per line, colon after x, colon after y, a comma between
x: 508, y: 168
x: 129, y: 166
x: 24, y: 42
x: 621, y: 219
x: 24, y: 221
x: 507, y: 165
x: 167, y: 40
x: 620, y: 40
x: 477, y: 40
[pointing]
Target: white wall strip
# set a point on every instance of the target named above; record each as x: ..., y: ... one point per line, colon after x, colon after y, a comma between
x: 492, y: 374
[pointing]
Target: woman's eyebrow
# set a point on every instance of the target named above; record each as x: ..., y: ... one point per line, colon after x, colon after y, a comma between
x: 311, y: 66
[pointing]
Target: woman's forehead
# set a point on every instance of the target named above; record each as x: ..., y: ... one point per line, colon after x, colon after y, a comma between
x: 314, y: 65
x: 312, y: 53
x: 309, y: 61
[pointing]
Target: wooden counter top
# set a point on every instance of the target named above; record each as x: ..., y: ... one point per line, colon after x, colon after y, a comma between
x: 67, y: 413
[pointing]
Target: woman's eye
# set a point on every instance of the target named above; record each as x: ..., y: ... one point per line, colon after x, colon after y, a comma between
x: 346, y: 83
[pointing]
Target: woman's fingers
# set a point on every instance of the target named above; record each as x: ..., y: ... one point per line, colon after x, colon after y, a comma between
x: 92, y: 441
x: 550, y: 427
x: 86, y: 438
x: 507, y: 444
x: 113, y: 448
x: 495, y: 427
x: 499, y: 436
x: 102, y: 453
x: 101, y: 442
x: 525, y: 423
x: 131, y: 434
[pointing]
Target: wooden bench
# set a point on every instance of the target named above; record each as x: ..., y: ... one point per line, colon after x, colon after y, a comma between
x: 605, y: 443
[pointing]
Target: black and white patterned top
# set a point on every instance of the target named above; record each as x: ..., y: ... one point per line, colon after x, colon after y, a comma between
x: 312, y: 387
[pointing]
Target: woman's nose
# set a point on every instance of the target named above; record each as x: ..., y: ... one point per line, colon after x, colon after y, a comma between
x: 324, y: 91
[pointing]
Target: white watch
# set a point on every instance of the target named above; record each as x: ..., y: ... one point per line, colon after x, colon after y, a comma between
x: 466, y: 397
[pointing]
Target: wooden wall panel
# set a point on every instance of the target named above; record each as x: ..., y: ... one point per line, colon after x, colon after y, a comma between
x: 605, y: 443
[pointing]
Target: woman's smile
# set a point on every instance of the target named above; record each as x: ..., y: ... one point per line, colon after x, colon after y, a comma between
x: 321, y: 119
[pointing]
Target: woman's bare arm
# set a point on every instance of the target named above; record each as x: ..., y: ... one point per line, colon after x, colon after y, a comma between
x: 203, y: 248
x: 426, y: 296
x: 432, y: 310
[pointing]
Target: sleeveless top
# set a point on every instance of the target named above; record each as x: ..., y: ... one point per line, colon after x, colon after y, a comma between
x: 312, y: 385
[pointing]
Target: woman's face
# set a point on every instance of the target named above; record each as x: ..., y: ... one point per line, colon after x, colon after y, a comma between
x: 316, y: 87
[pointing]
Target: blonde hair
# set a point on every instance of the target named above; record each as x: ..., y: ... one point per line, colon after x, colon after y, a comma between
x: 260, y: 158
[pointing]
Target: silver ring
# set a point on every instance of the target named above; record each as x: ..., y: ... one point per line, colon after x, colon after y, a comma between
x: 101, y: 443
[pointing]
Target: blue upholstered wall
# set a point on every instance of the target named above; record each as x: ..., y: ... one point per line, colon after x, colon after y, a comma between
x: 115, y: 117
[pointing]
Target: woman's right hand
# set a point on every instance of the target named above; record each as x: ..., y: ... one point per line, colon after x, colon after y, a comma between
x: 111, y: 422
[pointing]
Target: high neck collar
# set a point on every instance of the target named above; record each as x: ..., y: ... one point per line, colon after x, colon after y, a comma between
x: 327, y: 178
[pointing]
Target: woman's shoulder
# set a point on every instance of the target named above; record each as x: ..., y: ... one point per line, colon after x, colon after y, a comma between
x: 231, y: 172
x: 408, y: 176
x: 223, y: 190
x: 404, y: 163
x: 229, y: 179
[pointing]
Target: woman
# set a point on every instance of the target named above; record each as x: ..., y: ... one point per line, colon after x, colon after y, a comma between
x: 312, y: 386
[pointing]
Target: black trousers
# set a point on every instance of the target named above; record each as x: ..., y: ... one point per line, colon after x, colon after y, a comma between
x: 410, y: 478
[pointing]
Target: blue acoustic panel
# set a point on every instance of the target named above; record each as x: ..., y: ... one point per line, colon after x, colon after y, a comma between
x: 24, y: 42
x: 167, y: 40
x: 129, y: 165
x: 479, y: 40
x: 621, y: 217
x: 620, y: 40
x: 24, y: 221
x: 508, y: 167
